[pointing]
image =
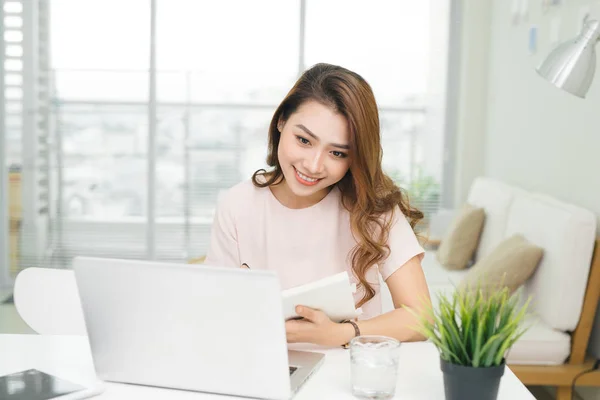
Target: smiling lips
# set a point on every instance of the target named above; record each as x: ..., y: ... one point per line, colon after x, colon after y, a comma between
x: 305, y: 180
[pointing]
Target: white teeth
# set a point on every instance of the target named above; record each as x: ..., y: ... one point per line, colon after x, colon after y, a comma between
x: 306, y: 178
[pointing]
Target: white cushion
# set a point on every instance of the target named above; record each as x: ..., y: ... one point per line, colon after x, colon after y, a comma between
x: 540, y: 345
x: 495, y: 198
x: 567, y: 235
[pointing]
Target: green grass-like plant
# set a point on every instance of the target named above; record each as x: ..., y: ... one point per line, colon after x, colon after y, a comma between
x: 474, y: 327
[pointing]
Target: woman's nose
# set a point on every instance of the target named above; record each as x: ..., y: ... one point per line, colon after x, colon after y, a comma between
x: 316, y: 164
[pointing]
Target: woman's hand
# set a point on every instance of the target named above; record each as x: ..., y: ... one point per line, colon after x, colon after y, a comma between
x: 316, y: 327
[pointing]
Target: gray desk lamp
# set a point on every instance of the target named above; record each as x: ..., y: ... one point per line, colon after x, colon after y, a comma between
x: 572, y: 64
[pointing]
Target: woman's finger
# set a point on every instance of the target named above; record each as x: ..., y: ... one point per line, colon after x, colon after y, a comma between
x: 308, y: 313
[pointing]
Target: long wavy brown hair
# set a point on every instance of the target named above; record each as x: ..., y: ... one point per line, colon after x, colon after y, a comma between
x: 367, y: 192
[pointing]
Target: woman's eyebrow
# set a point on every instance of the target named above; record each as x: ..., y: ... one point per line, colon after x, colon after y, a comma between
x: 308, y: 132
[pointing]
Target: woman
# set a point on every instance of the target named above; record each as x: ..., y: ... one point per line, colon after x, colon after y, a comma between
x: 326, y: 207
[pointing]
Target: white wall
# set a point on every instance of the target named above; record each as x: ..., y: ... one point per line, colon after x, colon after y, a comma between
x: 474, y: 29
x: 539, y: 137
x: 433, y: 159
x: 524, y: 131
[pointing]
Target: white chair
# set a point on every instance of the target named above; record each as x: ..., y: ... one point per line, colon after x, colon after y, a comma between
x: 565, y: 285
x: 48, y: 301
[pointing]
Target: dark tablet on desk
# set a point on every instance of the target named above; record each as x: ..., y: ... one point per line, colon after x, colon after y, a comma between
x: 33, y: 384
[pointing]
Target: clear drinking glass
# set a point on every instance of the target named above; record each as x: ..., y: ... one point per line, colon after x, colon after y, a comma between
x: 374, y: 366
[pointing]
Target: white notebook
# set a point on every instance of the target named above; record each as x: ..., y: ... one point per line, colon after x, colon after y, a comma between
x: 332, y: 295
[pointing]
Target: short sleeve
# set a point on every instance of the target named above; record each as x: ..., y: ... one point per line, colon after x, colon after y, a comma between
x: 403, y: 245
x: 223, y: 247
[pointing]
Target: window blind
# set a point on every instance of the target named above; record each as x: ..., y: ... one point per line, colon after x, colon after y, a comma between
x: 26, y: 97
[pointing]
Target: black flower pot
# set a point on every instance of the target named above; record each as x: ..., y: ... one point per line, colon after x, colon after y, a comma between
x: 471, y: 383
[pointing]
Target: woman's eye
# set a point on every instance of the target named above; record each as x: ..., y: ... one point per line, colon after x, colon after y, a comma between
x: 302, y: 140
x: 338, y: 154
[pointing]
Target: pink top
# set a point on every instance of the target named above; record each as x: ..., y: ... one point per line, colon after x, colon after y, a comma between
x: 302, y: 245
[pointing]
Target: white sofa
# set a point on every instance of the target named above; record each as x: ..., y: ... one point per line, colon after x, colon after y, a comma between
x: 566, y: 233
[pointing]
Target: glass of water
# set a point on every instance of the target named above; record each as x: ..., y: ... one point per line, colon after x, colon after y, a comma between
x: 374, y: 366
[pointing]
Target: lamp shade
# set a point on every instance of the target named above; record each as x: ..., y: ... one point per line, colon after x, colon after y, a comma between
x: 571, y: 65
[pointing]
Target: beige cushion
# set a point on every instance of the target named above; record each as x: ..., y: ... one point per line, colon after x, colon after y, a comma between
x: 509, y: 265
x: 459, y: 244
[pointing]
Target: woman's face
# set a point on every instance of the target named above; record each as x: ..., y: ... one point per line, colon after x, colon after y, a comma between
x: 313, y: 152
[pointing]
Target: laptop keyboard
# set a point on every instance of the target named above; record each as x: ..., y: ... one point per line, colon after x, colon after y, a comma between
x: 292, y: 370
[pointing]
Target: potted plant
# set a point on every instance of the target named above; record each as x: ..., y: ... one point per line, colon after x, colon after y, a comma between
x: 473, y: 330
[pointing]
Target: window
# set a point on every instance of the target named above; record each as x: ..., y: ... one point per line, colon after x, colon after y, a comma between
x: 222, y: 67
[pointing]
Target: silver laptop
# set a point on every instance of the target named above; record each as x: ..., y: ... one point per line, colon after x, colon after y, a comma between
x: 191, y: 327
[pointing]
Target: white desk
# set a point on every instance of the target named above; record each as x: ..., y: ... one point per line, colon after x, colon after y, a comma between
x: 69, y: 357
